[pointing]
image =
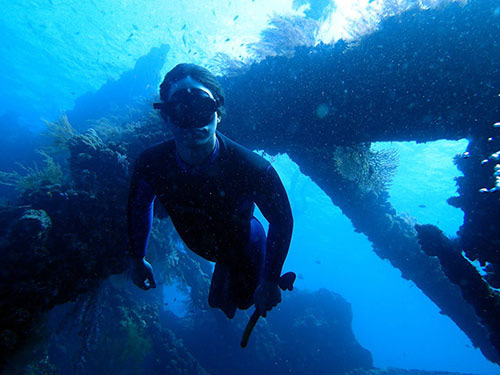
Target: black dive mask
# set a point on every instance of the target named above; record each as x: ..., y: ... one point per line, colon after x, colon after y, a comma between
x: 189, y: 108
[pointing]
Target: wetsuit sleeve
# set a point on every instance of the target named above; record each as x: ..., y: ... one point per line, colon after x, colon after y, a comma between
x: 273, y: 202
x: 139, y: 213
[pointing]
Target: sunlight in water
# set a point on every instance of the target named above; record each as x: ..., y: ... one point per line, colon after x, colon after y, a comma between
x: 351, y: 19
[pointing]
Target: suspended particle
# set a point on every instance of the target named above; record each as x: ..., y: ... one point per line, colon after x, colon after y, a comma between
x: 322, y: 110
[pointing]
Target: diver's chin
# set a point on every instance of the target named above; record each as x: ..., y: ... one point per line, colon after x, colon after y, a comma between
x: 195, y: 144
x: 197, y: 138
x: 200, y: 132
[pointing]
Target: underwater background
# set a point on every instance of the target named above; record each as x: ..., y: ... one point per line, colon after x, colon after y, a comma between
x: 78, y: 78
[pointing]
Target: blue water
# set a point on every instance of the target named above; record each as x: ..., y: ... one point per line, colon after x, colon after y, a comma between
x: 53, y: 52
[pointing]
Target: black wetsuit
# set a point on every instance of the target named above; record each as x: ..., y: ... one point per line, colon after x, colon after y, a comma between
x: 211, y: 206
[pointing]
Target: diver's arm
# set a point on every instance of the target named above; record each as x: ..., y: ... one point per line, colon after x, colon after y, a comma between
x: 139, y: 217
x: 139, y: 220
x: 274, y: 205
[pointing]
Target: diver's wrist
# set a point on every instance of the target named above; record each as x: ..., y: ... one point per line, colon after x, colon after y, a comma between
x: 269, y: 279
x: 135, y: 258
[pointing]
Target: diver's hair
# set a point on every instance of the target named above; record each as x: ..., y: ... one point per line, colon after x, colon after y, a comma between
x: 200, y: 74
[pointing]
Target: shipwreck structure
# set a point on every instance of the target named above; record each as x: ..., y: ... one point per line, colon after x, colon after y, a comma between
x: 424, y: 76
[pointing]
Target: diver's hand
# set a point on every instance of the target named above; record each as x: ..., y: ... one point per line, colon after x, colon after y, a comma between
x: 266, y: 296
x: 142, y: 273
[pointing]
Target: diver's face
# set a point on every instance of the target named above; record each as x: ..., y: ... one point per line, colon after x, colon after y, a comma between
x: 202, y: 125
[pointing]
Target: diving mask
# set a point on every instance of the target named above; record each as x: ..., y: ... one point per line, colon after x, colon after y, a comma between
x: 189, y: 108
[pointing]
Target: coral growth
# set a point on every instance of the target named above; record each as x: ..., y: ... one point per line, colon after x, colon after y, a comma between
x: 94, y: 166
x: 460, y: 271
x: 42, y: 366
x: 61, y: 132
x: 34, y: 178
x: 223, y: 64
x: 67, y: 232
x: 371, y: 170
x: 283, y: 35
x: 306, y: 323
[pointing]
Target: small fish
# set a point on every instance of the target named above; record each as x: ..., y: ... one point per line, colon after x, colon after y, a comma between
x: 228, y: 39
x: 184, y: 40
x: 135, y: 27
x: 130, y: 37
x: 317, y: 261
x: 184, y: 27
x: 422, y: 206
x: 213, y: 12
x: 300, y: 276
x: 235, y: 18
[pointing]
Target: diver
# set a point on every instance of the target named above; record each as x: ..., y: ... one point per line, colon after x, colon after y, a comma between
x: 209, y: 186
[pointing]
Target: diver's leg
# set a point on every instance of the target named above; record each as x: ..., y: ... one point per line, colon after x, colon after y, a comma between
x: 248, y: 274
x: 233, y: 286
x: 256, y: 248
x: 220, y: 295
